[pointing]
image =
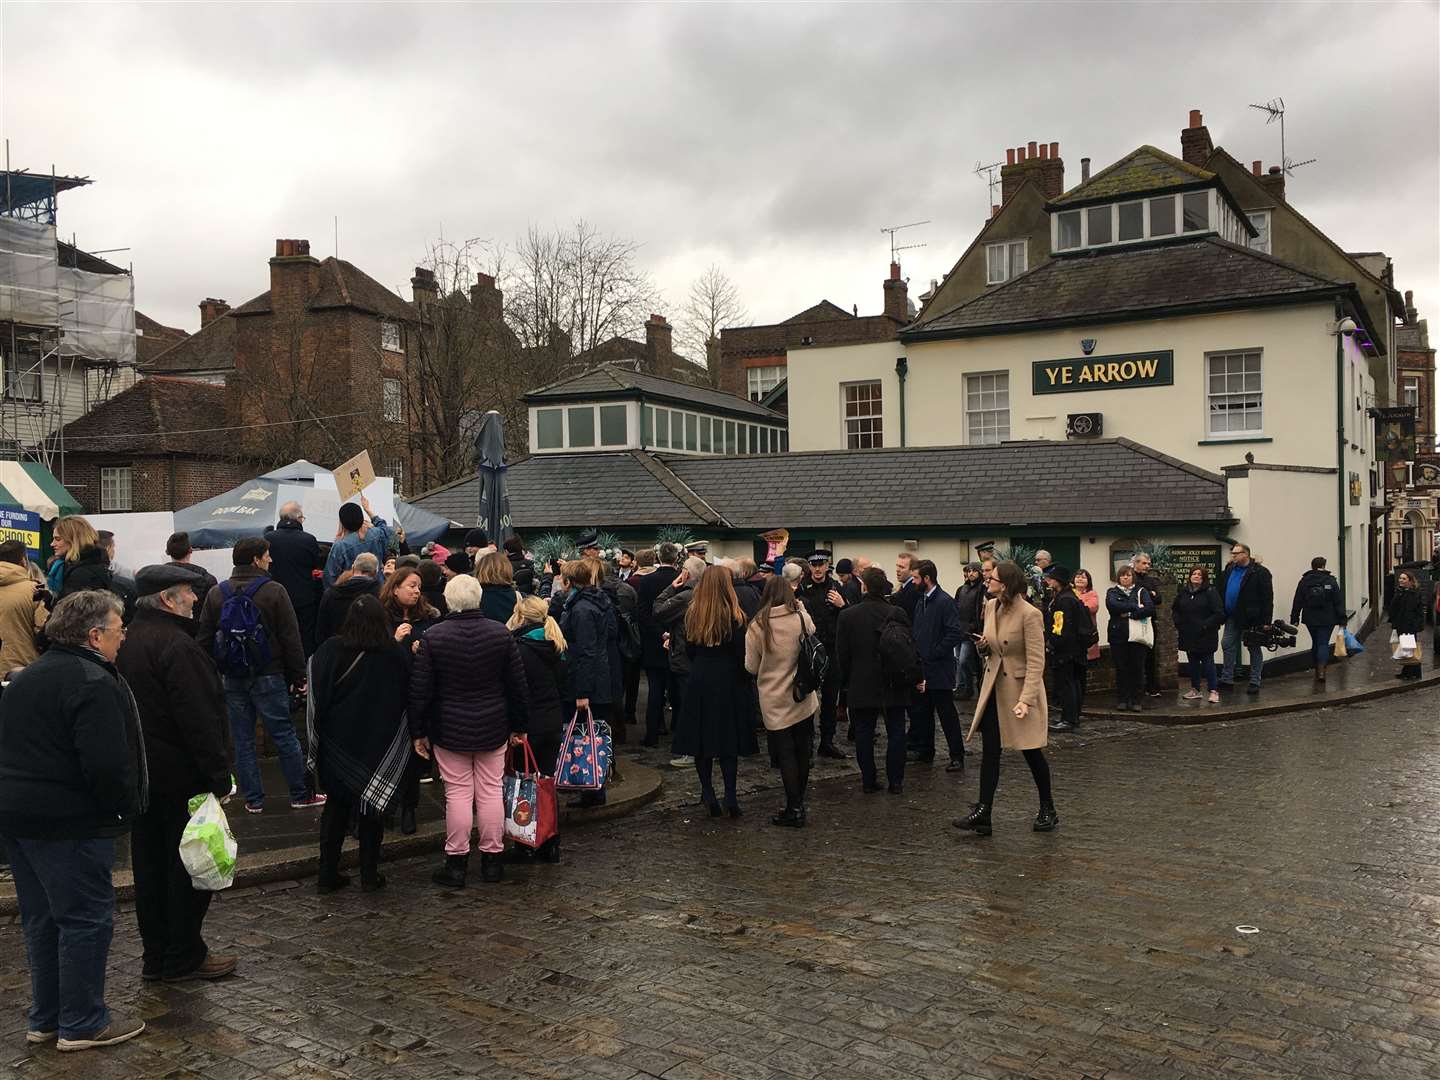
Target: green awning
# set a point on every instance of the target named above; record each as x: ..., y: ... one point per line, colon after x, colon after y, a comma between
x: 31, y: 486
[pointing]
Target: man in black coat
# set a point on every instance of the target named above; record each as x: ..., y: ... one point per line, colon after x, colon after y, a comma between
x: 907, y: 590
x: 937, y: 633
x: 1249, y: 595
x: 970, y: 606
x: 822, y: 596
x: 335, y: 604
x: 1150, y: 582
x: 182, y: 710
x: 654, y: 659
x: 296, y: 563
x: 72, y: 778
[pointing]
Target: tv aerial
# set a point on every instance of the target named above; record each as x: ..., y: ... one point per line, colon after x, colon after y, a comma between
x: 1274, y: 110
x: 893, y: 229
x: 991, y: 174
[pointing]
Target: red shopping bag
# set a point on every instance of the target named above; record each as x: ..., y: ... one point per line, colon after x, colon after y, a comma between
x: 532, y: 815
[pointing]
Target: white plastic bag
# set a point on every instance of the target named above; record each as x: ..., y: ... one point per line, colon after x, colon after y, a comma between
x: 1142, y: 633
x: 1406, y: 648
x: 207, y: 846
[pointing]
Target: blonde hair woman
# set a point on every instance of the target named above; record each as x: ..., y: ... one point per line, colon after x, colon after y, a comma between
x: 71, y: 536
x: 543, y: 652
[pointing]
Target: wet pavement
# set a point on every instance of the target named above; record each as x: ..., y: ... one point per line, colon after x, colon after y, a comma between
x: 877, y: 942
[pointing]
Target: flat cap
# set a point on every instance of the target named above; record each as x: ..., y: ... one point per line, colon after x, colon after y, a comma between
x: 150, y: 580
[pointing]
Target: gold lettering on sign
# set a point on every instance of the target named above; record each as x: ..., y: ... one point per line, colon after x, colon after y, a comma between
x: 1148, y: 368
x: 1050, y: 373
x: 1067, y: 376
x: 1112, y: 371
x: 1086, y: 375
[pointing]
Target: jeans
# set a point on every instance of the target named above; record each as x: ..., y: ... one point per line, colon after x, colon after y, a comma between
x: 1230, y: 650
x: 968, y: 666
x: 170, y: 911
x: 923, y: 708
x: 269, y: 696
x: 1320, y: 649
x: 1202, y: 664
x: 67, y: 912
x: 865, y: 721
x: 472, y: 794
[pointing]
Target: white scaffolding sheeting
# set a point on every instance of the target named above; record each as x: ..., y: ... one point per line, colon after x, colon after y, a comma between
x: 97, y: 315
x: 29, y: 266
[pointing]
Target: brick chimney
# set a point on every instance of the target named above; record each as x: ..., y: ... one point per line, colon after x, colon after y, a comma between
x: 1038, y: 160
x: 210, y: 310
x: 659, y: 346
x: 487, y: 300
x: 294, y: 277
x: 897, y: 295
x: 1274, y: 182
x: 1195, y: 144
x: 1411, y: 315
x: 423, y: 289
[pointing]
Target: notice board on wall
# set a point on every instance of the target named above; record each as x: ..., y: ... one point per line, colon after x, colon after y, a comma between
x: 1188, y: 556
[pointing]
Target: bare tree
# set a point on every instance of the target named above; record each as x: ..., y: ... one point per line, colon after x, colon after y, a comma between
x: 713, y: 304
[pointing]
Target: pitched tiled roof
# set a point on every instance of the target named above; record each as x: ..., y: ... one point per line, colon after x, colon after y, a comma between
x: 615, y: 380
x: 342, y: 285
x: 749, y: 494
x: 209, y: 349
x: 1142, y: 170
x: 824, y: 311
x: 153, y: 338
x: 136, y: 421
x: 1109, y: 285
x: 1414, y: 337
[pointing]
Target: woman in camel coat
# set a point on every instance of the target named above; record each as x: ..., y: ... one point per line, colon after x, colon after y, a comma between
x: 1012, y: 710
x: 772, y: 648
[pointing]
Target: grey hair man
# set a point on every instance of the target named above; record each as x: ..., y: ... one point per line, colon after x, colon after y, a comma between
x: 182, y: 708
x: 363, y: 580
x: 72, y: 778
x: 296, y: 564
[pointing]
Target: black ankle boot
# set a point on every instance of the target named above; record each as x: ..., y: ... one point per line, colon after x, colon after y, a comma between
x: 407, y: 821
x: 1047, y: 818
x: 977, y: 821
x: 492, y: 870
x: 452, y: 874
x: 789, y: 818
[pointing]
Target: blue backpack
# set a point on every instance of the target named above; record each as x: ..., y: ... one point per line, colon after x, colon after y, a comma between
x: 242, y: 644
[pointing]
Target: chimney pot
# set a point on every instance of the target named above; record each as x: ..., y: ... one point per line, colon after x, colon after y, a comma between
x: 1195, y: 120
x: 1409, y: 297
x: 1054, y: 150
x: 304, y: 247
x: 1030, y: 150
x: 1010, y: 156
x: 1255, y: 168
x: 894, y: 271
x: 1044, y: 152
x: 1084, y: 169
x: 994, y: 209
x: 279, y: 247
x: 1275, y: 170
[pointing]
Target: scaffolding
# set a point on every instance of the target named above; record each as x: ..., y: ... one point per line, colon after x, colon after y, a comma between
x: 67, y: 322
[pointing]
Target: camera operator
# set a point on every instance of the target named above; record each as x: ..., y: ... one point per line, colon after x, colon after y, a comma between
x: 1249, y: 596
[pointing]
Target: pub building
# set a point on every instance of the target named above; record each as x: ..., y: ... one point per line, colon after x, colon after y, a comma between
x: 1179, y: 304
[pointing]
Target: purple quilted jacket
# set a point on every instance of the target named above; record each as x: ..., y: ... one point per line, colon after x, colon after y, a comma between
x: 467, y: 686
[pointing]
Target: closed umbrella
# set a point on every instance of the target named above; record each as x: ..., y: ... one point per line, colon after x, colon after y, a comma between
x: 494, y: 516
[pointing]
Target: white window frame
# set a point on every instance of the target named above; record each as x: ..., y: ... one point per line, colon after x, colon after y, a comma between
x: 390, y: 336
x: 972, y: 437
x: 1216, y: 213
x: 392, y: 396
x: 117, y: 488
x: 1263, y: 242
x: 549, y: 408
x: 1409, y: 383
x: 600, y: 426
x: 760, y: 380
x: 396, y: 469
x: 1230, y: 434
x: 1008, y: 250
x: 859, y: 438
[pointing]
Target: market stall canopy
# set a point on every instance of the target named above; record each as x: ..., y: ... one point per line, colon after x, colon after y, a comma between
x: 252, y: 507
x: 31, y: 486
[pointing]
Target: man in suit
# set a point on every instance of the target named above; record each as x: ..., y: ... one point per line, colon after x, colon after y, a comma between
x: 653, y: 658
x: 937, y: 632
x: 296, y: 564
x: 907, y: 589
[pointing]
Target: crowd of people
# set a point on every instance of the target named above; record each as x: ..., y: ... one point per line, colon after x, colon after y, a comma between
x: 129, y: 694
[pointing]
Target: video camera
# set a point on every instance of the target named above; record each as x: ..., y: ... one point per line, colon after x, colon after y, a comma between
x: 1273, y: 635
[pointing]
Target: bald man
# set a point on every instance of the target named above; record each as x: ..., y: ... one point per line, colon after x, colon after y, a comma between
x: 296, y: 564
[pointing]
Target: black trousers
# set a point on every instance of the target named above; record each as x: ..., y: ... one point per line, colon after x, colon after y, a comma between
x: 990, y: 759
x: 829, y: 700
x: 335, y: 823
x: 678, y: 683
x: 632, y: 690
x: 1129, y: 659
x: 790, y: 749
x: 1152, y: 673
x: 923, y: 708
x: 168, y: 908
x: 865, y: 721
x: 415, y: 769
x: 1069, y: 686
x: 657, y: 685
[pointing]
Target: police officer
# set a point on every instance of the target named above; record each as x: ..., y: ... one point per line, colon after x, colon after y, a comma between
x: 821, y: 594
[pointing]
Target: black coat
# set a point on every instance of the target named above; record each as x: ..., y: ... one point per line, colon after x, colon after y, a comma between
x: 547, y: 678
x: 1255, y: 605
x: 823, y: 614
x: 1198, y: 615
x: 1067, y: 622
x: 467, y: 685
x: 1407, y: 612
x: 937, y: 633
x: 182, y: 706
x: 718, y: 716
x: 851, y: 590
x: 670, y: 608
x: 647, y: 587
x: 748, y: 596
x: 970, y: 603
x: 294, y: 558
x: 906, y: 597
x: 1317, y: 600
x: 92, y: 571
x: 335, y: 605
x: 857, y: 655
x: 588, y: 623
x: 1140, y: 604
x: 72, y: 762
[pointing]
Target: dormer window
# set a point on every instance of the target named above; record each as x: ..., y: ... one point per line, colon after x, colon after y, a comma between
x: 1132, y: 221
x: 1196, y: 211
x: 1162, y: 216
x: 1099, y: 224
x: 1004, y: 261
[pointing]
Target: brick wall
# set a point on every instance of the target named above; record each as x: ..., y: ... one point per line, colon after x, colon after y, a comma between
x: 154, y: 485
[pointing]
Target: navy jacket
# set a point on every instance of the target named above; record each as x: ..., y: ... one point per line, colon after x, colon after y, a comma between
x: 294, y: 558
x: 1317, y: 600
x: 906, y: 597
x: 468, y: 690
x: 937, y: 634
x: 588, y: 623
x: 1140, y: 604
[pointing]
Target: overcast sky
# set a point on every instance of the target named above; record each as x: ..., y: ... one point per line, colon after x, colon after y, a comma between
x: 775, y: 141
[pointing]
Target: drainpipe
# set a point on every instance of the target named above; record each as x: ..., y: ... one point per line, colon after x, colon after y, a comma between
x: 902, y: 369
x: 1342, y: 479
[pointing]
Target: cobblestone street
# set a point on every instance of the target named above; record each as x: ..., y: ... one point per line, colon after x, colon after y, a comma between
x: 878, y: 942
